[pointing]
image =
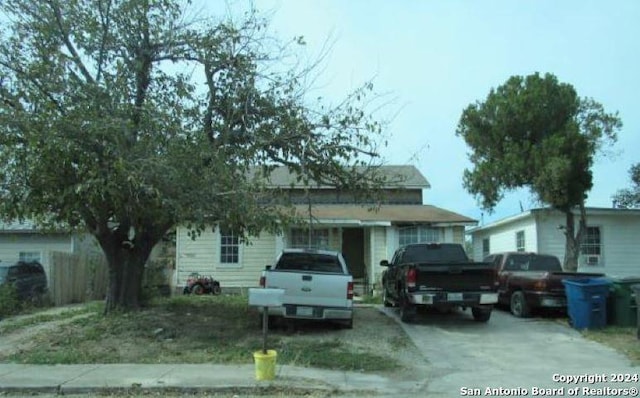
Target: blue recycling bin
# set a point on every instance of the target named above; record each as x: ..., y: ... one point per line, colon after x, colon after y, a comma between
x: 587, y: 302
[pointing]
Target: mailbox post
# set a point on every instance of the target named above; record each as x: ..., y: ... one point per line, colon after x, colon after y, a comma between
x: 265, y: 298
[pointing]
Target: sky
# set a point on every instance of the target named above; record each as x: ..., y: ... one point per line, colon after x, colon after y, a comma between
x: 432, y: 58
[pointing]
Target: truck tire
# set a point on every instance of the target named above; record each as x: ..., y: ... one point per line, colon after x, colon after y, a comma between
x: 407, y: 312
x: 480, y: 314
x: 385, y: 299
x: 519, y: 306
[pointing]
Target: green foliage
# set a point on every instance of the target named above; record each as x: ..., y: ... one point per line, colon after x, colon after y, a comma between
x: 534, y: 132
x: 630, y: 198
x: 125, y: 119
x: 9, y: 302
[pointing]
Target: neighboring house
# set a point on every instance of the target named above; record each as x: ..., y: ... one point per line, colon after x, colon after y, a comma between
x: 364, y: 237
x: 23, y: 241
x: 611, y: 244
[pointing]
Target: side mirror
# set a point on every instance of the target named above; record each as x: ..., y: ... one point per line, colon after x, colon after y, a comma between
x: 384, y: 263
x: 267, y: 267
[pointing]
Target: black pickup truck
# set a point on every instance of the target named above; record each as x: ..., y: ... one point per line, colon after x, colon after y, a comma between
x: 439, y: 275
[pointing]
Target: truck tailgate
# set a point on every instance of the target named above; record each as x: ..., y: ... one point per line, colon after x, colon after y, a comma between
x: 554, y: 279
x: 456, y: 277
x: 313, y: 288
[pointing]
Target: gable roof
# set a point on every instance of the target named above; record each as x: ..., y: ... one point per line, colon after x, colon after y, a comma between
x: 385, y: 215
x: 398, y: 177
x: 593, y: 211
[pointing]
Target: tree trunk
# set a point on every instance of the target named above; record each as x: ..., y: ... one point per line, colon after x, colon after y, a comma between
x: 573, y: 238
x: 126, y: 260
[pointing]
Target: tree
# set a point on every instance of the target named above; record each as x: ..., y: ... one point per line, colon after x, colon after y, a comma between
x: 536, y: 132
x: 124, y: 119
x: 630, y: 198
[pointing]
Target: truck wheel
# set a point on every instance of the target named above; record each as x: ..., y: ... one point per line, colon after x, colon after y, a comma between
x: 480, y: 314
x: 519, y: 306
x: 407, y: 312
x: 385, y: 299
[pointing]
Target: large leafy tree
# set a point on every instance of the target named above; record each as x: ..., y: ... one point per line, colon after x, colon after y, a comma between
x: 534, y: 131
x: 124, y: 118
x: 629, y: 198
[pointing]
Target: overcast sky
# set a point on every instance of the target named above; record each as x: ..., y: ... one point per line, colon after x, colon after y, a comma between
x: 436, y: 57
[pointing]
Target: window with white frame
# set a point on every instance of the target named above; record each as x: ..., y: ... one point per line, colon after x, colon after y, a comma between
x: 486, y: 248
x: 229, y: 247
x: 591, y: 246
x: 591, y: 242
x: 29, y: 256
x: 520, y: 241
x: 419, y: 234
x: 299, y: 238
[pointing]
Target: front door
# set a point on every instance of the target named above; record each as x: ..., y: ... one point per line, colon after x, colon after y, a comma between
x: 353, y: 251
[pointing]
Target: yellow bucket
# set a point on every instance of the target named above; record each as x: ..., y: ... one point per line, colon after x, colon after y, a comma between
x: 265, y: 364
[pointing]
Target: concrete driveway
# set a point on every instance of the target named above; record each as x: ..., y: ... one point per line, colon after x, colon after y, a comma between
x: 526, y: 356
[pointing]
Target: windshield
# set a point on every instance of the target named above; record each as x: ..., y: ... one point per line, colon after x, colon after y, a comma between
x: 3, y: 273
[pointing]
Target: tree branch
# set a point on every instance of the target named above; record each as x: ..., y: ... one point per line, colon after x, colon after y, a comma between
x: 55, y: 7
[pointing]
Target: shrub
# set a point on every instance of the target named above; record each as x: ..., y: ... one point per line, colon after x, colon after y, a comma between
x: 9, y: 302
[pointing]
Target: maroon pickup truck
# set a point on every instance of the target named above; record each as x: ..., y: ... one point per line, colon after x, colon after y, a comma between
x: 528, y: 281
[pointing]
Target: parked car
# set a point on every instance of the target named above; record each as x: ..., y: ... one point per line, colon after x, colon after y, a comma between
x: 438, y: 275
x: 317, y: 286
x: 528, y: 281
x: 28, y: 278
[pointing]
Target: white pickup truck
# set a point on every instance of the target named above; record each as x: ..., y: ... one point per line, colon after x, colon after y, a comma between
x: 316, y: 283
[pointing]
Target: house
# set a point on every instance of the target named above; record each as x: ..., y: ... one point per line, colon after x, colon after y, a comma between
x: 364, y: 237
x: 611, y: 244
x: 23, y: 241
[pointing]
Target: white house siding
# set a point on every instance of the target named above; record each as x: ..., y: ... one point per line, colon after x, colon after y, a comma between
x: 379, y: 251
x: 12, y: 244
x: 620, y: 242
x: 202, y: 255
x: 551, y: 239
x: 367, y: 246
x: 620, y: 239
x: 620, y: 245
x: 503, y: 237
x: 458, y: 235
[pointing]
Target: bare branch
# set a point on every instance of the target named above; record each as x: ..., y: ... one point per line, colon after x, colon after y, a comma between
x: 55, y: 7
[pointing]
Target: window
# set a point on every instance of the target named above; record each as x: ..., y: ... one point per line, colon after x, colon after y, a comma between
x: 299, y: 238
x: 419, y: 234
x: 520, y: 241
x: 591, y: 246
x: 229, y: 247
x: 486, y: 249
x: 29, y: 256
x: 591, y: 242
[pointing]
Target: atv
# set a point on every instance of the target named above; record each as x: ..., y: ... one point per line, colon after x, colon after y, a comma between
x: 199, y: 284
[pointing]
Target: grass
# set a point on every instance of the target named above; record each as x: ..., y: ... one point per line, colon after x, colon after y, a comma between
x: 185, y: 329
x: 622, y: 339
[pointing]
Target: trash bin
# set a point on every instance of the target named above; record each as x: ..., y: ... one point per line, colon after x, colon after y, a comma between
x: 636, y: 290
x: 587, y: 302
x: 621, y: 305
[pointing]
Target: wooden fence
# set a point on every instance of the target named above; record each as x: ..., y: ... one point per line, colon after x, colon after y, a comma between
x: 75, y: 278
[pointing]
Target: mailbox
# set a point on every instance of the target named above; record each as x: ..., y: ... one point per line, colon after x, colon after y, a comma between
x: 266, y: 297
